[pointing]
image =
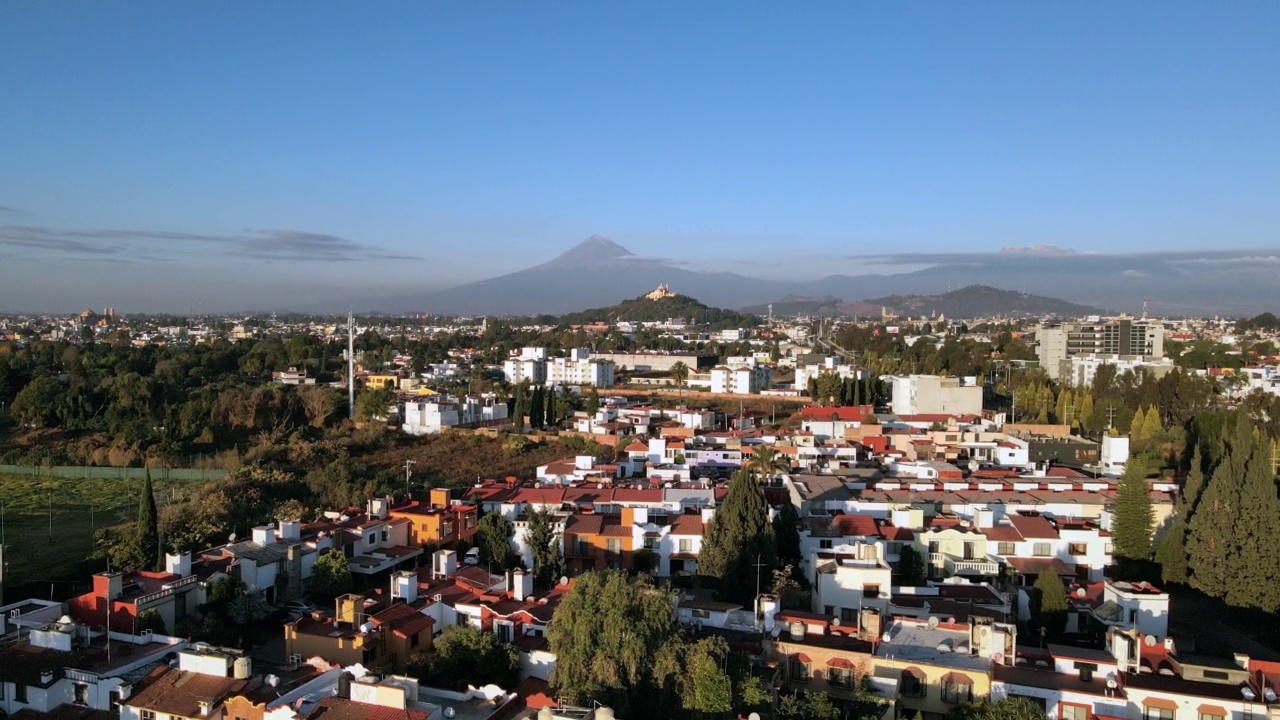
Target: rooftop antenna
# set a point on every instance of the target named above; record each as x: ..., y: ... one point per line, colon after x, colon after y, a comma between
x: 1144, y: 308
x: 351, y: 366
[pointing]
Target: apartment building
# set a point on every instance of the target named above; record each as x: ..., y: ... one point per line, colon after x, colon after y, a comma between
x: 1124, y: 337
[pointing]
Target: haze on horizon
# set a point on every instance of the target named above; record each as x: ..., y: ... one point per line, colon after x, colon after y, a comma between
x: 168, y: 157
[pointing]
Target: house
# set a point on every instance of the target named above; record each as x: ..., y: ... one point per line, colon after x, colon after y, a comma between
x: 848, y: 579
x: 174, y: 594
x: 440, y: 522
x: 744, y: 379
x: 199, y: 687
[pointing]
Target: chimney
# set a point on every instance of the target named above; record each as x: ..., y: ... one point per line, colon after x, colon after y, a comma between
x: 290, y: 529
x: 108, y: 585
x: 444, y: 563
x: 264, y: 534
x: 178, y: 563
x: 521, y: 585
x: 404, y: 585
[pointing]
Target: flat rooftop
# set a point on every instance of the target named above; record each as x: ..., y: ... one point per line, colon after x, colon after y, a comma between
x: 917, y: 642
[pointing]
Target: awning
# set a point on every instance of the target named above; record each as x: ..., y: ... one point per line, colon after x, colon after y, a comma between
x: 914, y: 672
x: 955, y: 678
x: 801, y: 658
x: 1162, y: 703
x: 839, y: 662
x: 1217, y: 710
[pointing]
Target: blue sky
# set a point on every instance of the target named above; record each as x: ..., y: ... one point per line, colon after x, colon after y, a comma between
x: 219, y: 153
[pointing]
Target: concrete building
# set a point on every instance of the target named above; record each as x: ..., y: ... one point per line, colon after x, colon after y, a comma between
x: 579, y: 368
x: 740, y: 379
x: 1083, y: 368
x: 1125, y: 337
x: 434, y: 416
x: 809, y: 371
x: 530, y: 364
x: 936, y: 394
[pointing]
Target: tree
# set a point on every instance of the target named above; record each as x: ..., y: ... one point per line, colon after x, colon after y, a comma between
x: 147, y: 528
x: 739, y: 543
x: 828, y: 389
x: 544, y: 542
x: 911, y: 570
x: 593, y: 401
x: 766, y: 462
x: 1133, y: 515
x: 1137, y: 429
x: 1172, y: 552
x: 644, y: 560
x: 807, y: 705
x: 493, y: 537
x: 331, y: 575
x: 705, y: 687
x: 319, y: 403
x: 372, y: 404
x: 786, y: 533
x: 1007, y: 708
x: 150, y: 619
x: 616, y: 642
x: 1051, y: 606
x: 536, y: 407
x: 36, y: 403
x: 679, y: 374
x: 466, y: 656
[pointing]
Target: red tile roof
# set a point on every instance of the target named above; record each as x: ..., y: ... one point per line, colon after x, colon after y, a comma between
x: 848, y: 413
x: 1034, y: 527
x: 336, y: 708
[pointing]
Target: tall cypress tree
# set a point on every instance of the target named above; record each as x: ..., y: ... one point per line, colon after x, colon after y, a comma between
x: 1255, y: 581
x: 739, y: 543
x: 1131, y: 521
x: 148, y: 527
x: 1212, y: 541
x: 1172, y: 552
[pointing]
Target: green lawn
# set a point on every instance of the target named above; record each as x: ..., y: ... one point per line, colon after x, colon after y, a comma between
x: 49, y: 522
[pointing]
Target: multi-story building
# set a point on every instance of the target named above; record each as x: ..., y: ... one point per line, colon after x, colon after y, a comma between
x: 936, y: 395
x: 740, y: 379
x: 530, y: 364
x: 432, y: 417
x: 440, y: 522
x: 579, y: 368
x: 1124, y: 337
x: 845, y: 371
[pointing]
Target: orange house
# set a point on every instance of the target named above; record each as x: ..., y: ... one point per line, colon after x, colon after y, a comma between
x: 438, y: 522
x: 595, y: 542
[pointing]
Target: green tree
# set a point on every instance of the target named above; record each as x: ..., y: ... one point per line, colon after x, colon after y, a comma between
x: 1137, y: 429
x: 786, y: 533
x: 911, y: 570
x: 36, y: 403
x: 331, y: 575
x: 807, y: 705
x: 150, y: 619
x: 1211, y: 534
x: 1131, y: 524
x: 373, y: 403
x: 705, y: 686
x: 466, y: 656
x: 593, y: 401
x: 616, y: 642
x: 829, y: 387
x: 1172, y: 551
x: 739, y: 543
x: 1007, y: 708
x: 1256, y: 580
x: 679, y: 374
x: 766, y: 462
x: 544, y: 542
x: 1051, y: 602
x: 644, y: 560
x: 147, y: 528
x: 536, y: 407
x: 493, y: 537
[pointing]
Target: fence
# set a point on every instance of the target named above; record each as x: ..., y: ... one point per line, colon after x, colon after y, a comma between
x: 114, y: 473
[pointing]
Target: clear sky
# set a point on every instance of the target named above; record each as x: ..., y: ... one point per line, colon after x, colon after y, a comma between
x: 244, y: 154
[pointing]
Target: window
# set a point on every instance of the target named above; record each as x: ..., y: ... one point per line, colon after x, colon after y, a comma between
x: 848, y: 614
x: 1133, y: 617
x: 373, y: 537
x: 824, y: 544
x: 702, y: 614
x: 20, y: 695
x: 1156, y: 713
x: 912, y: 684
x: 1212, y: 715
x: 80, y: 694
x: 148, y: 715
x: 957, y: 689
x: 1108, y: 549
x: 1078, y: 549
x: 505, y: 631
x: 650, y: 543
x: 686, y: 546
x: 934, y: 547
x: 582, y: 548
x: 1041, y: 550
x: 799, y: 668
x: 613, y: 546
x: 829, y: 610
x: 892, y: 548
x: 1006, y: 548
x: 840, y: 677
x: 413, y: 640
x: 1073, y: 712
x: 969, y: 550
x: 870, y: 591
x: 1215, y: 675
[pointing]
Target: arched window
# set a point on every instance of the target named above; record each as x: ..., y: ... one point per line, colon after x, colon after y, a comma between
x: 957, y: 688
x: 799, y: 667
x: 840, y: 673
x: 913, y: 683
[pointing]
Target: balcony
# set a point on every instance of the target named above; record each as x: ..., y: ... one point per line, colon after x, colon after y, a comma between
x: 975, y: 566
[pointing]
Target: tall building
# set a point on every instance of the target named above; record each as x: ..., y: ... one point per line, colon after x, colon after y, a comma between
x: 936, y: 395
x: 1122, y: 337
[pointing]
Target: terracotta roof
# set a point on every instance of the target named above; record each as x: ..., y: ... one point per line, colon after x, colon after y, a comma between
x: 1036, y: 566
x: 1003, y: 533
x: 1034, y: 527
x: 687, y: 525
x: 177, y: 692
x: 848, y: 413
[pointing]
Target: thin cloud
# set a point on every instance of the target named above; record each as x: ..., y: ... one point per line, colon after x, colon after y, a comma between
x: 1041, y: 250
x: 269, y: 245
x: 1134, y: 273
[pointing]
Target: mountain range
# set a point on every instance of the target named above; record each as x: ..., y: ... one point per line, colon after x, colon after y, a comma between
x: 597, y: 272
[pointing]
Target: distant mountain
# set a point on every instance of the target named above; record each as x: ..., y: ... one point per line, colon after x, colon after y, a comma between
x: 982, y: 301
x: 824, y: 306
x: 594, y: 273
x: 661, y: 305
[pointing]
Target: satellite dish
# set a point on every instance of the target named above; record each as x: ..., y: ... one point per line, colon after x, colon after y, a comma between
x: 1149, y: 640
x: 754, y: 716
x: 835, y: 622
x: 1247, y: 693
x: 933, y: 621
x: 1269, y: 695
x: 887, y: 637
x: 776, y: 632
x: 1111, y: 681
x: 231, y: 537
x: 564, y: 580
x: 1081, y: 592
x: 998, y: 657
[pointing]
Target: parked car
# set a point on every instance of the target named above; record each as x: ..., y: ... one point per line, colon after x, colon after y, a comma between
x: 298, y: 608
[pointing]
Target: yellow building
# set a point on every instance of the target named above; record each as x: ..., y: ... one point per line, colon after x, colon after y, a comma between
x: 956, y: 549
x: 380, y: 381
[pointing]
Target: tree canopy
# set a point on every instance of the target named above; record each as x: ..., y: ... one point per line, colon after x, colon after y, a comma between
x: 464, y: 656
x: 739, y: 547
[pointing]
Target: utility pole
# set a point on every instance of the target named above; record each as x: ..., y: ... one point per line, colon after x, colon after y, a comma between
x: 3, y: 565
x: 759, y: 564
x: 408, y: 472
x: 351, y: 366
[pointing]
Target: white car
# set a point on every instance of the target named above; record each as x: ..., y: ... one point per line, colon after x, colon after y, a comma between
x: 298, y: 608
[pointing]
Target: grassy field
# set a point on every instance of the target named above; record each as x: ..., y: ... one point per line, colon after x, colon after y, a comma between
x: 48, y: 526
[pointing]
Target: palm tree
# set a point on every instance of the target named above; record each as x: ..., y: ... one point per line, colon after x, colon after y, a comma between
x: 766, y: 462
x: 679, y: 373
